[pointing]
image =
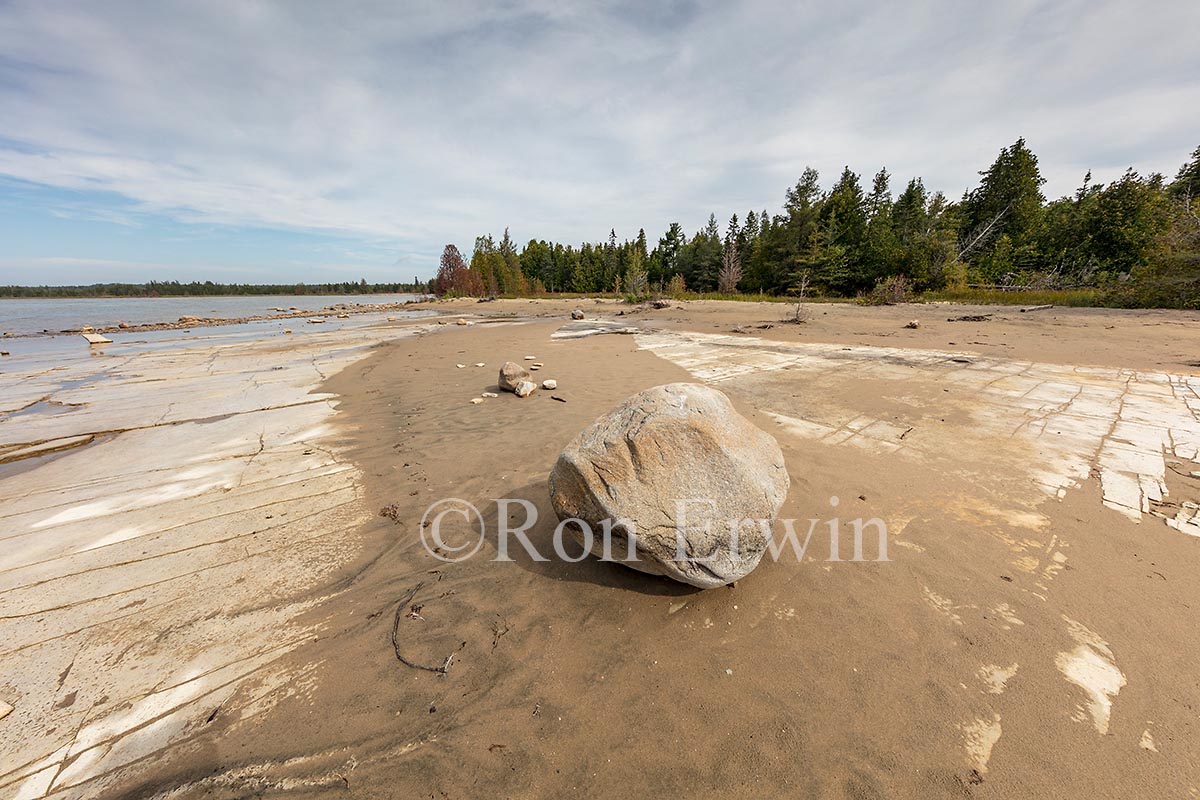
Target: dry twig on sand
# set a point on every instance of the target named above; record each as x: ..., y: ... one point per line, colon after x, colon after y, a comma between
x: 445, y: 667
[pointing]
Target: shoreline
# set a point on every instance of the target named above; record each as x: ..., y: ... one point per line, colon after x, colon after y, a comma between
x: 201, y: 468
x: 549, y: 656
x: 184, y: 323
x: 998, y: 478
x: 1160, y: 329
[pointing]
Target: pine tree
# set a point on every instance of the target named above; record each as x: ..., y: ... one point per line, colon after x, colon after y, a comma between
x: 804, y: 194
x: 880, y: 243
x: 508, y: 267
x: 483, y: 264
x: 789, y: 247
x: 612, y: 258
x: 908, y: 212
x: 1123, y: 223
x: 750, y: 229
x: 669, y: 247
x: 708, y: 256
x: 589, y: 275
x: 640, y: 245
x: 1007, y: 203
x: 879, y: 202
x: 733, y: 231
x: 635, y: 275
x: 748, y: 246
x: 843, y: 220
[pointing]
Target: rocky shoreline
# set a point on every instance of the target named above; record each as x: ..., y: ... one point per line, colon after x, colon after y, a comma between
x: 339, y: 310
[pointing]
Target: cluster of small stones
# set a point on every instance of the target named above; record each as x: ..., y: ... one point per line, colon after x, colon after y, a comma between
x: 514, y: 378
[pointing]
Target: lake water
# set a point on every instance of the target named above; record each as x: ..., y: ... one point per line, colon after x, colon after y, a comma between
x: 25, y: 316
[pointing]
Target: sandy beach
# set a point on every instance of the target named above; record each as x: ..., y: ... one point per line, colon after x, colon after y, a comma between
x: 207, y: 536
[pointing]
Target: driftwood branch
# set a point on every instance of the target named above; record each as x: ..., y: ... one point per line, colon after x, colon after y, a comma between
x: 408, y: 598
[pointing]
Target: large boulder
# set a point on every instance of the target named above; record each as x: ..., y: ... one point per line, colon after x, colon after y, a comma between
x: 510, y: 375
x: 672, y: 450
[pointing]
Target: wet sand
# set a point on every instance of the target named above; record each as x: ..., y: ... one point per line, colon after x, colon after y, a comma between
x: 1030, y: 636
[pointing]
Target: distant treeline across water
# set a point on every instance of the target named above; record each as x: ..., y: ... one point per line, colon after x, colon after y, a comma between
x: 210, y: 289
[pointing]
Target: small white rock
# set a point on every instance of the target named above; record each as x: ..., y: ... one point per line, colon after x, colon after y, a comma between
x: 480, y: 364
x: 550, y: 384
x: 530, y: 358
x: 461, y: 322
x: 489, y: 394
x: 524, y: 388
x: 728, y: 672
x: 476, y: 401
x: 5, y: 709
x: 538, y: 364
x: 461, y: 366
x: 534, y: 367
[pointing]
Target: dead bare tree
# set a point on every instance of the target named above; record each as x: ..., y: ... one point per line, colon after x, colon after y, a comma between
x: 731, y: 270
x: 800, y: 313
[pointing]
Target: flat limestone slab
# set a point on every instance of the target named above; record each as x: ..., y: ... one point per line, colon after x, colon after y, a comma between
x: 997, y: 445
x: 172, y: 510
x: 1049, y: 425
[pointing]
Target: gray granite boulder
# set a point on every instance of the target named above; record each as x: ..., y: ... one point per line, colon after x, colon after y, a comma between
x: 671, y: 451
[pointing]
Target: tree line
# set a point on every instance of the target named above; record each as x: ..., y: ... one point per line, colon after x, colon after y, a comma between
x: 208, y: 288
x: 1136, y: 241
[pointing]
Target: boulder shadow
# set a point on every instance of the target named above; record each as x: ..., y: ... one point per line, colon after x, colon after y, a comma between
x: 589, y: 569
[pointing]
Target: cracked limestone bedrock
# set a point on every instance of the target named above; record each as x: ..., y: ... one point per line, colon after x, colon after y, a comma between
x: 681, y: 441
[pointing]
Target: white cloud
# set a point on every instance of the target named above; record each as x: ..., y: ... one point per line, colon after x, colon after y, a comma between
x: 421, y: 126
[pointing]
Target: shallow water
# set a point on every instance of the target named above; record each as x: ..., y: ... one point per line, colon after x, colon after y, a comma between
x: 36, y: 315
x: 33, y: 353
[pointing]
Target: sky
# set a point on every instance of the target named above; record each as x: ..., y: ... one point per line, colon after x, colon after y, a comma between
x: 309, y: 141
